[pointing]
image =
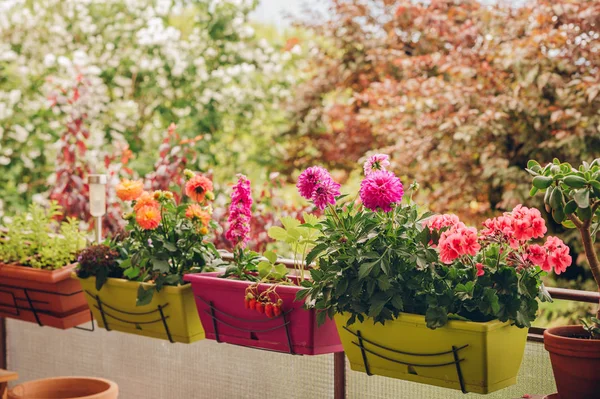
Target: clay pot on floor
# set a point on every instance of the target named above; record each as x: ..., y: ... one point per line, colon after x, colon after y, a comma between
x: 575, y: 362
x: 66, y: 387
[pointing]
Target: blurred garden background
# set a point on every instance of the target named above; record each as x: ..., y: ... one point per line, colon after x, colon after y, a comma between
x: 460, y: 93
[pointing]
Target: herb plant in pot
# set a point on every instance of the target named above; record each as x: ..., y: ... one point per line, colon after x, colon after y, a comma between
x: 253, y: 302
x: 135, y: 283
x: 573, y: 197
x: 37, y: 257
x: 422, y: 297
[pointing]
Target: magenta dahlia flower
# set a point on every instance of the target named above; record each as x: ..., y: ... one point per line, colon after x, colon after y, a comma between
x: 240, y: 212
x: 376, y: 162
x: 325, y: 193
x: 381, y: 189
x: 310, y: 178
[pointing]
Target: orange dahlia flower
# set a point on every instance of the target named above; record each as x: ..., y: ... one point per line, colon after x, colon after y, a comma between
x: 198, y: 187
x: 129, y: 190
x: 194, y: 211
x: 146, y: 199
x: 148, y: 217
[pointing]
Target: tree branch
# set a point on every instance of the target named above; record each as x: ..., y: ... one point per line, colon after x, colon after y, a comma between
x: 576, y: 221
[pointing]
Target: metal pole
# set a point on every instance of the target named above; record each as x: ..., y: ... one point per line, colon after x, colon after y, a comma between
x: 339, y: 375
x: 99, y: 229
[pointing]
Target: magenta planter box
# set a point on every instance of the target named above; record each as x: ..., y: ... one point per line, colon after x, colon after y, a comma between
x: 220, y: 303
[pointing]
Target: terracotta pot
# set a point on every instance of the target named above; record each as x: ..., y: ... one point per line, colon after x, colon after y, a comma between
x: 66, y: 387
x: 57, y: 299
x: 575, y: 362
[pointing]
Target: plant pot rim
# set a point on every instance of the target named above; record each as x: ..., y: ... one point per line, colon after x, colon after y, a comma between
x: 464, y: 325
x: 557, y: 340
x: 16, y: 271
x: 121, y: 282
x: 227, y: 282
x: 112, y: 387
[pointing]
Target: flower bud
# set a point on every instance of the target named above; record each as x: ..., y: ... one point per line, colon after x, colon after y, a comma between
x: 210, y: 195
x: 188, y: 174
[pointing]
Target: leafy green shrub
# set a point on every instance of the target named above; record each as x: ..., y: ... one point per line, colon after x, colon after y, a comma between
x: 378, y: 258
x: 35, y: 239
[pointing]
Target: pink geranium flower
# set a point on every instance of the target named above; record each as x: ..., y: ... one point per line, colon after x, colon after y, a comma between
x: 376, y: 162
x: 380, y: 190
x: 480, y: 269
x: 458, y: 241
x: 537, y: 255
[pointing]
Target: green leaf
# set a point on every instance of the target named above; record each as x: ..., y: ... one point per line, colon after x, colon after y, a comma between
x: 568, y: 224
x: 556, y: 199
x: 532, y: 163
x: 366, y: 268
x: 101, y: 277
x: 397, y: 302
x: 570, y: 207
x: 271, y: 256
x: 542, y: 182
x: 533, y: 191
x: 302, y: 294
x: 132, y: 272
x: 278, y: 233
x: 558, y: 215
x: 574, y: 181
x: 584, y: 213
x: 321, y: 317
x: 310, y: 219
x: 582, y: 197
x: 280, y: 271
x: 144, y: 296
x: 316, y: 251
x: 160, y: 265
x: 169, y: 246
x: 264, y: 268
x: 436, y: 317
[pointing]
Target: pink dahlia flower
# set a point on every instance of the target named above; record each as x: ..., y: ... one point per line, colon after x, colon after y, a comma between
x: 376, y: 162
x: 310, y: 178
x: 325, y: 193
x: 381, y: 189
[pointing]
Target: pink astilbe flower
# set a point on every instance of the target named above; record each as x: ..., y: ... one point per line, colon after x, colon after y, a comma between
x: 240, y: 212
x: 309, y: 179
x: 381, y: 189
x: 376, y: 162
x: 325, y: 193
x: 458, y: 241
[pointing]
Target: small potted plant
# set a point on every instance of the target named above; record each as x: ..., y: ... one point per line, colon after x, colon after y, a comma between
x: 135, y: 283
x: 573, y: 197
x: 37, y: 256
x: 253, y: 302
x: 423, y: 297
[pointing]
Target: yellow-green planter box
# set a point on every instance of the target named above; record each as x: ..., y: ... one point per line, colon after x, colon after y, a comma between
x: 464, y: 355
x: 171, y: 314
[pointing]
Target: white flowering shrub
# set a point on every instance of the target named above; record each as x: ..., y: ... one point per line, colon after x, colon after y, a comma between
x: 146, y: 64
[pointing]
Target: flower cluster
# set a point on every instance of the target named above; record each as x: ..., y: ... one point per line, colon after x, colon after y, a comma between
x: 438, y: 222
x: 316, y: 184
x: 553, y: 255
x: 380, y: 190
x: 458, y: 241
x: 240, y: 212
x: 513, y: 230
x: 518, y: 226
